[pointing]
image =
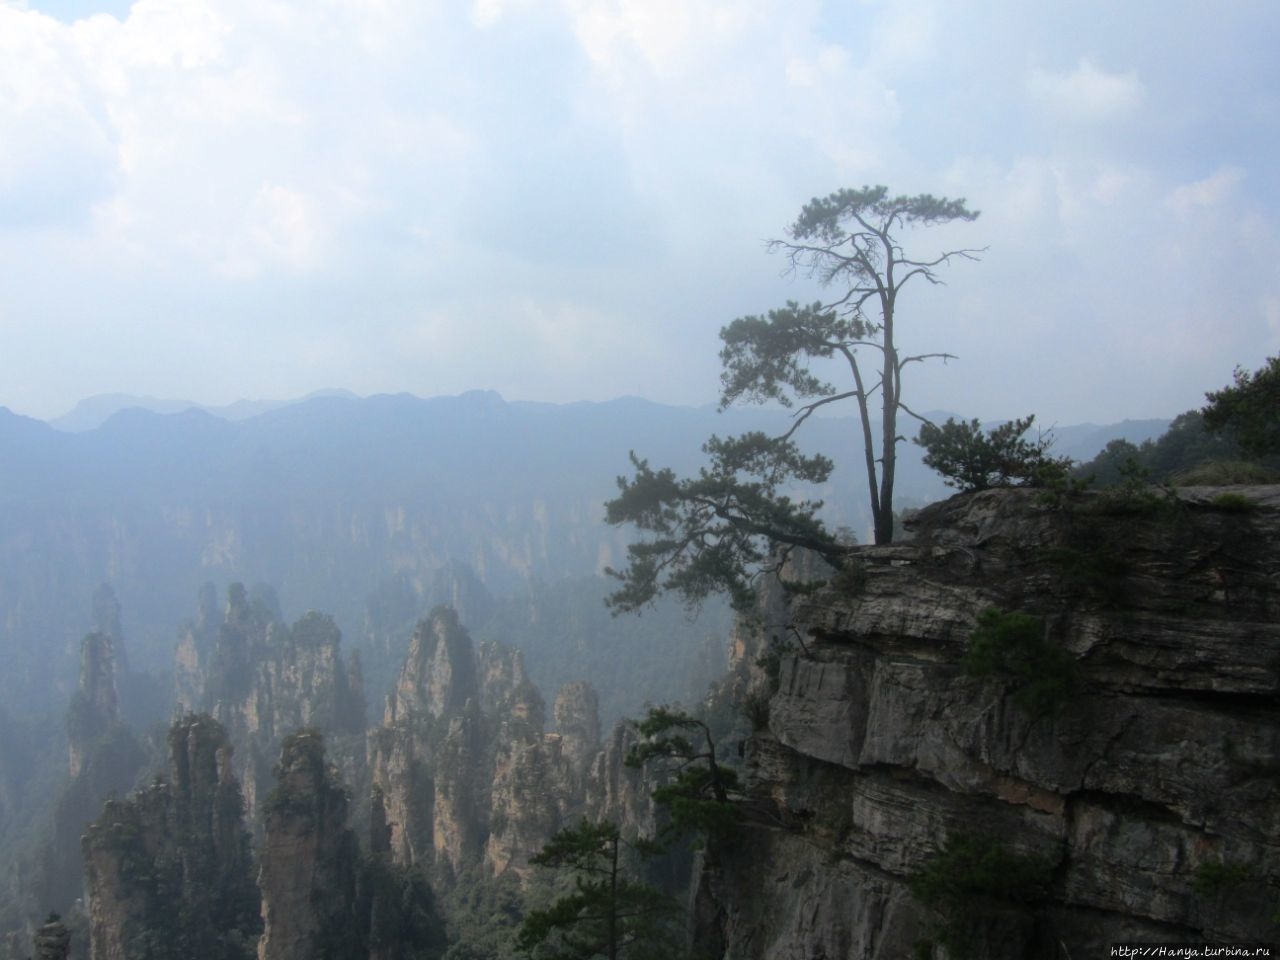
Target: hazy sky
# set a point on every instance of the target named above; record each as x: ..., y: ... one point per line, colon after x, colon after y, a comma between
x: 566, y: 199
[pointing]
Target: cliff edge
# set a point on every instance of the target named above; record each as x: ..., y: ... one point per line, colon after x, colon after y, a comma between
x: 1113, y: 777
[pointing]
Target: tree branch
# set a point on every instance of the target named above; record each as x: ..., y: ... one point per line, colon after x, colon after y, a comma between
x: 907, y: 410
x: 920, y: 357
x: 801, y: 415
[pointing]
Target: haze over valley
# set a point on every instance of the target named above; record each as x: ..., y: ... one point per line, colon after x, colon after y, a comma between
x: 638, y: 479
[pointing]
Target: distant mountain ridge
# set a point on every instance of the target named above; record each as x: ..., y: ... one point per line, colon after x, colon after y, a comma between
x: 91, y: 412
x: 330, y: 498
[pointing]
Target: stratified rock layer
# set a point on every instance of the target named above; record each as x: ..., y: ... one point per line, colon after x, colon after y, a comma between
x: 1151, y: 793
x: 52, y: 941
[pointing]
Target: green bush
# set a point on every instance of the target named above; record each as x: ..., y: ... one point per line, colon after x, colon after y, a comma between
x: 1233, y: 503
x: 970, y: 459
x: 1218, y: 876
x: 851, y: 578
x: 1102, y: 569
x: 975, y: 885
x: 1249, y: 411
x: 1014, y: 646
x: 755, y: 707
x: 1225, y: 473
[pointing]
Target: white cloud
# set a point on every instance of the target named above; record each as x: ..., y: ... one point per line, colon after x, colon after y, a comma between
x: 166, y: 34
x: 282, y: 226
x: 585, y: 185
x: 56, y: 151
x: 1214, y: 190
x: 905, y: 36
x: 670, y: 36
x: 1088, y: 94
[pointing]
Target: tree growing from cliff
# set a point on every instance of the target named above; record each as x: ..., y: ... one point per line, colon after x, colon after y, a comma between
x: 980, y: 891
x: 1186, y: 449
x: 716, y: 531
x: 700, y: 794
x: 1015, y: 647
x: 609, y: 913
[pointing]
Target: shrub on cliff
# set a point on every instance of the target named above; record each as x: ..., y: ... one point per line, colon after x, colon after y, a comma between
x: 978, y: 890
x: 970, y: 458
x: 1014, y: 646
x: 609, y: 913
x: 700, y: 795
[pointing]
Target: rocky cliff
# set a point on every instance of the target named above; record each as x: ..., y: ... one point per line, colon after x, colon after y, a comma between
x: 94, y: 707
x: 53, y: 940
x: 310, y: 861
x: 168, y: 872
x: 263, y: 680
x: 1112, y: 777
x: 467, y: 770
x: 105, y: 758
x: 461, y: 757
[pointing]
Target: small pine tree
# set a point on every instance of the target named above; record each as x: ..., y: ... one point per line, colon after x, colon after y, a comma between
x: 609, y: 914
x: 700, y: 797
x: 970, y: 459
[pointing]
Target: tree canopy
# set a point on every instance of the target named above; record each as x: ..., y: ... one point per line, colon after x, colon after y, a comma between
x: 970, y: 458
x: 720, y: 529
x: 1249, y: 410
x: 848, y: 240
x: 609, y: 914
x: 700, y: 793
x: 712, y: 533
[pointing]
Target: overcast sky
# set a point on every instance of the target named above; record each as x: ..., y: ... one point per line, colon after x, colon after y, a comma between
x: 566, y: 199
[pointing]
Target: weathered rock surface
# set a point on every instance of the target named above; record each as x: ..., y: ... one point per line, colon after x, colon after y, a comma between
x: 52, y: 941
x: 263, y: 680
x: 617, y: 792
x: 105, y: 758
x: 467, y: 773
x: 93, y: 708
x: 194, y: 651
x: 168, y: 872
x: 310, y: 860
x: 1151, y: 793
x: 577, y: 716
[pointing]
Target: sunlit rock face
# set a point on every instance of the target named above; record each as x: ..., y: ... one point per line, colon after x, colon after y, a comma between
x: 464, y: 764
x: 439, y: 673
x: 577, y: 716
x: 464, y: 767
x: 1148, y: 794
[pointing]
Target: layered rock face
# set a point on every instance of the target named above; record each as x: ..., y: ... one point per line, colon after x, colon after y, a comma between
x: 52, y: 941
x: 194, y: 651
x: 577, y: 716
x: 168, y: 872
x: 1148, y: 797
